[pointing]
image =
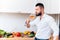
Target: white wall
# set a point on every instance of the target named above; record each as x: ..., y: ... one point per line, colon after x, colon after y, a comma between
x: 14, y: 22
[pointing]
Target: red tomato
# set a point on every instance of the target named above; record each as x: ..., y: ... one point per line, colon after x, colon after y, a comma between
x: 18, y: 34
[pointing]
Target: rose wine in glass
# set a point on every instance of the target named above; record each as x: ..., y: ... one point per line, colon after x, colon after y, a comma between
x: 30, y: 18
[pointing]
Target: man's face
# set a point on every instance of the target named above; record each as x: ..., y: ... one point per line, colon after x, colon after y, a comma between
x: 38, y: 10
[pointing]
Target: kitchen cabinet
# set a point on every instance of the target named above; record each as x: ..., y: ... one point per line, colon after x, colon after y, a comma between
x: 27, y: 6
x: 51, y: 6
x: 21, y: 6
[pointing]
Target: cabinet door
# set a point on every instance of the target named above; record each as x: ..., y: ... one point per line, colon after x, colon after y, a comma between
x: 51, y: 6
x: 25, y: 6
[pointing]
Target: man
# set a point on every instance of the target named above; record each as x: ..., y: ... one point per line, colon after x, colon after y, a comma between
x: 45, y: 24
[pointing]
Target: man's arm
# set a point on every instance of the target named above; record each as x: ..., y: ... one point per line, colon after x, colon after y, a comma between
x: 30, y: 23
x: 55, y: 29
x: 27, y: 23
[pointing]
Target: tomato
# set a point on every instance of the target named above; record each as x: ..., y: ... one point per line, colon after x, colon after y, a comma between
x: 18, y: 34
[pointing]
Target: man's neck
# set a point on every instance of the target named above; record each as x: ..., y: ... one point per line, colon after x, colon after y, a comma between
x: 42, y: 15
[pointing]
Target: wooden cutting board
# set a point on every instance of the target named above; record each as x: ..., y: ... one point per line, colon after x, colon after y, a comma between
x: 20, y: 38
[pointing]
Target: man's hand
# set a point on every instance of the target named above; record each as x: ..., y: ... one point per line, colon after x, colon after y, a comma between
x: 27, y: 23
x: 56, y: 38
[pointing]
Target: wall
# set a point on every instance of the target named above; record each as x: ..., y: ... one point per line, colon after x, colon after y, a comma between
x: 14, y: 22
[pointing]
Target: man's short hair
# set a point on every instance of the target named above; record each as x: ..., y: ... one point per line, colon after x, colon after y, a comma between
x: 40, y: 5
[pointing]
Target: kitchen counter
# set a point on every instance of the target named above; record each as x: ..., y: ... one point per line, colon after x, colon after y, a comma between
x: 20, y: 38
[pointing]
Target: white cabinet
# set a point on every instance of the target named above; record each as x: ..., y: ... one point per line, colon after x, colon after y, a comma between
x: 25, y: 6
x: 51, y: 6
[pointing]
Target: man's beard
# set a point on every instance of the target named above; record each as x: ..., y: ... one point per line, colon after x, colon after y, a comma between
x: 39, y: 14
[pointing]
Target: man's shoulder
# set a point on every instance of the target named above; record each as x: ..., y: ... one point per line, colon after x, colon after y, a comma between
x: 49, y: 17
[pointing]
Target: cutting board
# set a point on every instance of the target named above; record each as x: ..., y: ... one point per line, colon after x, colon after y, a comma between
x: 20, y: 38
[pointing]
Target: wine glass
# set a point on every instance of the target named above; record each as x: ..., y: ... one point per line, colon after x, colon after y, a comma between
x: 30, y: 18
